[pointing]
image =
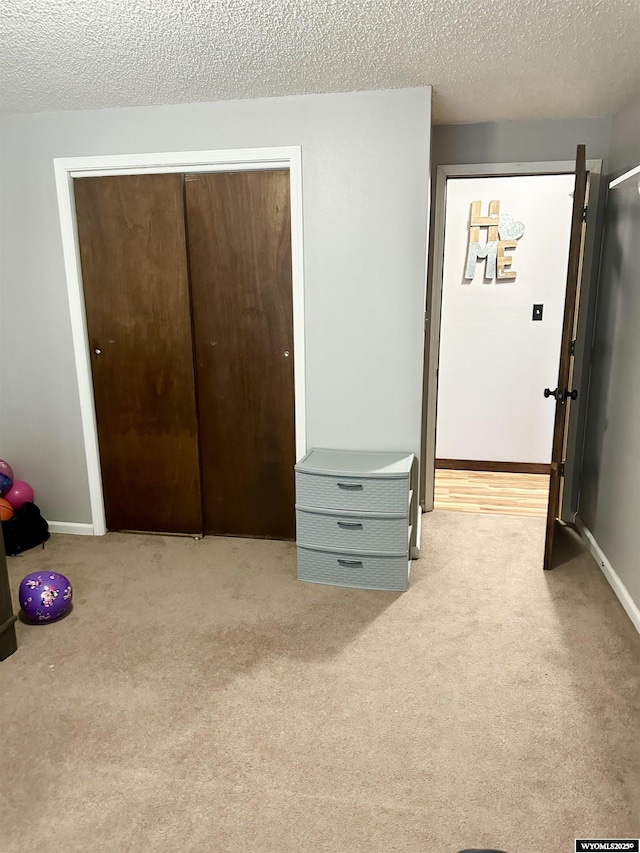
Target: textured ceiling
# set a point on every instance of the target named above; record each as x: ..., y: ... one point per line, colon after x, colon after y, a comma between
x: 487, y: 60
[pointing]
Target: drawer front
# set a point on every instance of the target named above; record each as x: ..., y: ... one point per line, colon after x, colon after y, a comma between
x: 355, y: 533
x: 357, y: 493
x: 365, y: 572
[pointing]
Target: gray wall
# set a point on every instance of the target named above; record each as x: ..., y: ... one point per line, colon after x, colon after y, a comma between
x: 519, y: 141
x: 610, y: 482
x: 366, y: 188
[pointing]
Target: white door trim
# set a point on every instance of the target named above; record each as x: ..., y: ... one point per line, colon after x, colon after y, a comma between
x: 68, y: 168
x: 624, y: 177
x: 433, y: 316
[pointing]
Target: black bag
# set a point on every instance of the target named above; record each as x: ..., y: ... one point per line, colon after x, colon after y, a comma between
x: 25, y: 530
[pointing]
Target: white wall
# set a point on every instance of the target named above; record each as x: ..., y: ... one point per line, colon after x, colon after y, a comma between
x: 365, y: 182
x: 494, y: 360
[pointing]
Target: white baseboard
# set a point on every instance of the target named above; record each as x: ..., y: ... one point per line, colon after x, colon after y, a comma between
x: 632, y: 609
x: 78, y: 528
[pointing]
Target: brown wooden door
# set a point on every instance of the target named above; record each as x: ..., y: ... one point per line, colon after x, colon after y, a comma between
x: 563, y: 391
x: 134, y: 270
x: 239, y: 236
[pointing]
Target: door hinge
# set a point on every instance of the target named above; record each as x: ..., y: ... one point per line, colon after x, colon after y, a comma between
x: 572, y: 351
x: 584, y: 213
x: 426, y: 320
x: 561, y: 469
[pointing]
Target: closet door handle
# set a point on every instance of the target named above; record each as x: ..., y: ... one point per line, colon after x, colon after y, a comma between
x: 350, y: 564
x: 350, y: 525
x: 355, y: 486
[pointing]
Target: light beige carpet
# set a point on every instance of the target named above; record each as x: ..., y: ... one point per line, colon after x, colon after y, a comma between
x: 200, y: 698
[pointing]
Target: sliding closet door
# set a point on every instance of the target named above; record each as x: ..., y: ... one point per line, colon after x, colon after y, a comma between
x: 136, y: 288
x: 239, y: 235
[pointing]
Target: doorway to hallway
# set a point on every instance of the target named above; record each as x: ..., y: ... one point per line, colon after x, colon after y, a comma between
x: 490, y: 238
x: 506, y: 244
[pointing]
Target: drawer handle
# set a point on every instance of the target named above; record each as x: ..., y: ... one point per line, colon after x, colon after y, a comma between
x: 350, y: 563
x: 355, y: 486
x: 350, y: 525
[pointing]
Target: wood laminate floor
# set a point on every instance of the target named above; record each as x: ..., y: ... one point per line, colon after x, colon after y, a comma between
x: 491, y: 491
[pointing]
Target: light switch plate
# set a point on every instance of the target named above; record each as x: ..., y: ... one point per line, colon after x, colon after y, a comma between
x: 537, y: 312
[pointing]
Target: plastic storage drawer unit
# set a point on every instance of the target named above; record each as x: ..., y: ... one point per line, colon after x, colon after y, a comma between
x: 353, y: 515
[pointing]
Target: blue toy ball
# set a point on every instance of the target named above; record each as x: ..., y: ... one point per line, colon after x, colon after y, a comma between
x: 45, y: 596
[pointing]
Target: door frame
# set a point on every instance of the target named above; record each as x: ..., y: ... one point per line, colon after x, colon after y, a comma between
x: 585, y: 309
x: 244, y: 159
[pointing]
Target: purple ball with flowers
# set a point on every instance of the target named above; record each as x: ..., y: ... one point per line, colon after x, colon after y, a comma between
x: 45, y: 596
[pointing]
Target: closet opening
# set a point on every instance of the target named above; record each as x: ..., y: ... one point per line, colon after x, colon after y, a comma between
x: 186, y: 294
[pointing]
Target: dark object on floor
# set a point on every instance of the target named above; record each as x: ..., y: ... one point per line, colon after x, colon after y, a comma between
x: 25, y: 530
x: 481, y: 850
x: 8, y: 642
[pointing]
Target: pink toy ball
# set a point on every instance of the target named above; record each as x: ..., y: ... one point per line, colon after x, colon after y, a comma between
x: 45, y: 596
x: 6, y: 476
x: 19, y: 494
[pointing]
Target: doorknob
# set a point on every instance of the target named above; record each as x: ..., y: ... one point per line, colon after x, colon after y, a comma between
x: 561, y: 396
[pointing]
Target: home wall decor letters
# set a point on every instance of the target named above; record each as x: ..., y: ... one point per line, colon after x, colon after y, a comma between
x: 503, y: 232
